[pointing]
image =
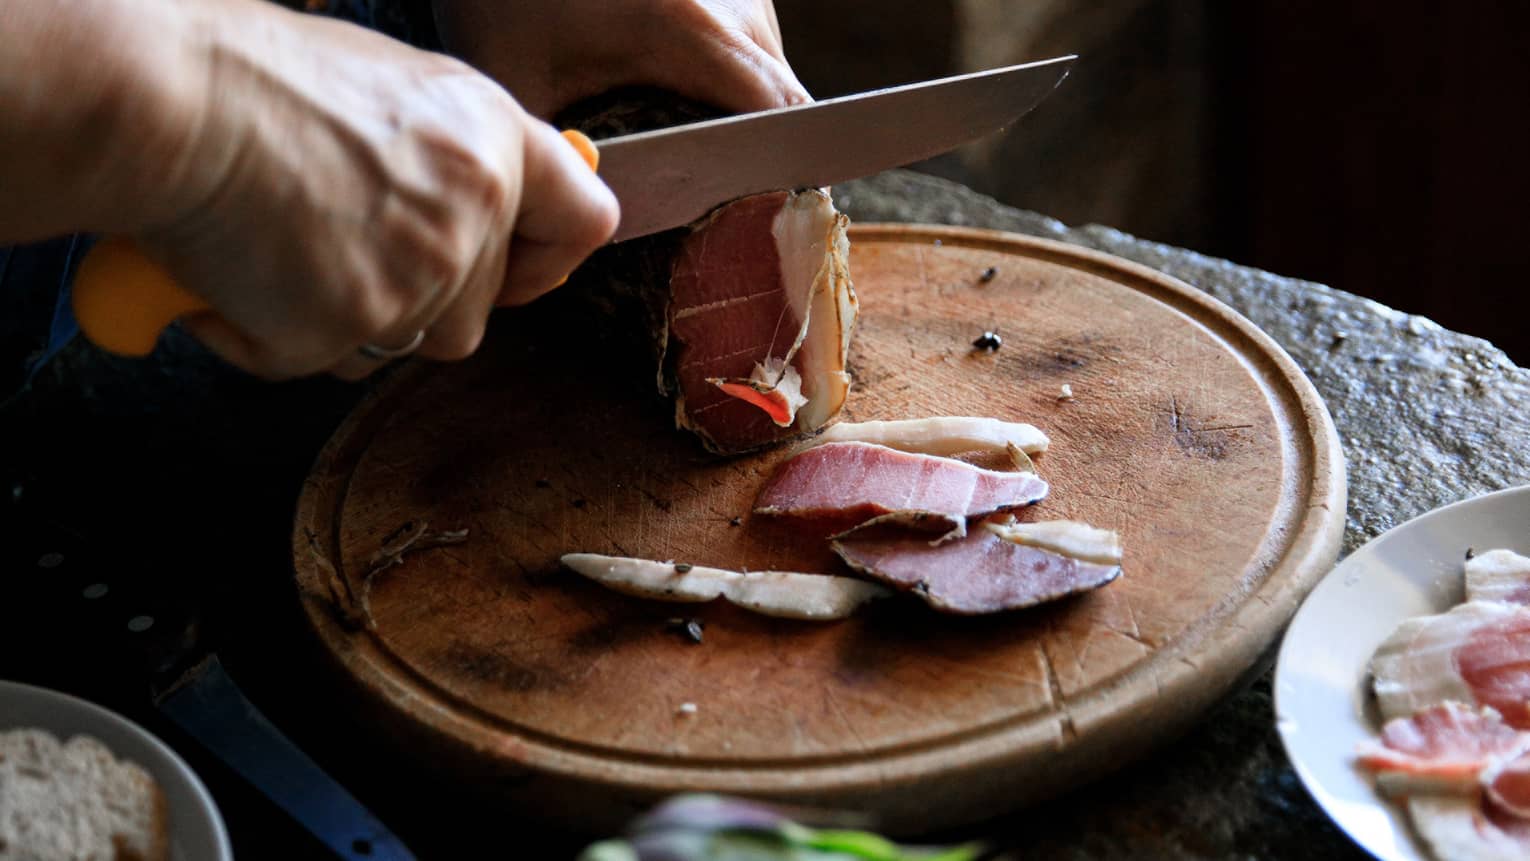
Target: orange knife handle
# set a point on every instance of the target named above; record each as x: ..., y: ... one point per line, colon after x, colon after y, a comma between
x: 123, y: 300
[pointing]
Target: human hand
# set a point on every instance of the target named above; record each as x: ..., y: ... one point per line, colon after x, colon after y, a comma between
x: 552, y: 53
x: 334, y: 188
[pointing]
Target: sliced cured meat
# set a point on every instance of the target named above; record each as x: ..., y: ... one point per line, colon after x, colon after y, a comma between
x: 978, y: 573
x: 854, y: 481
x: 1444, y: 749
x: 1508, y: 786
x: 1478, y: 654
x: 760, y: 286
x: 1498, y: 575
x: 771, y: 593
x: 1494, y: 661
x: 1462, y: 828
x: 941, y: 435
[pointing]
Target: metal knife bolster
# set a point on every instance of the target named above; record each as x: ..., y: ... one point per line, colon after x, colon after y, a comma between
x: 208, y: 706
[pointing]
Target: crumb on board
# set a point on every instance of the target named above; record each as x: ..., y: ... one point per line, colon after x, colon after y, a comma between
x: 1065, y: 393
x: 737, y: 521
x: 687, y: 708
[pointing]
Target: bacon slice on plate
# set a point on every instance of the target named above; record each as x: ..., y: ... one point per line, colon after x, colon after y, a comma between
x: 772, y: 593
x: 982, y: 572
x: 1498, y: 575
x: 759, y: 288
x: 1478, y: 654
x: 1464, y: 828
x: 1443, y: 749
x: 854, y: 481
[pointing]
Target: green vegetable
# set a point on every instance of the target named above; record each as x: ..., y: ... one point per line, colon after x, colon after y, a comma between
x: 718, y: 828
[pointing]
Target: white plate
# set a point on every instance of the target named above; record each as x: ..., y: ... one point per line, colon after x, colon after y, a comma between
x: 1323, y: 704
x: 196, y: 829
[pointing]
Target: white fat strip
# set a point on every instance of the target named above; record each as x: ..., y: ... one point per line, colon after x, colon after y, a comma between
x: 1498, y: 575
x: 941, y: 435
x: 1065, y: 537
x: 772, y: 593
x: 826, y: 338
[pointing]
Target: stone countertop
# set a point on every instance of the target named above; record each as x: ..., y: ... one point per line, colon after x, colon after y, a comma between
x: 1426, y: 416
x: 157, y: 467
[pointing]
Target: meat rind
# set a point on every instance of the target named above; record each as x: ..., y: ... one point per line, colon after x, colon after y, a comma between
x: 941, y: 435
x: 1067, y: 537
x: 784, y: 594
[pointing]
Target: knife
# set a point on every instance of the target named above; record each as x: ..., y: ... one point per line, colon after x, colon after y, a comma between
x: 666, y: 178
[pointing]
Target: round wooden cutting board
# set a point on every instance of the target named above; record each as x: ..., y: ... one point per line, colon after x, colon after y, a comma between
x: 1188, y: 431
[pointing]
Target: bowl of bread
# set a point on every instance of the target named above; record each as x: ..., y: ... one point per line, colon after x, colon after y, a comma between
x: 80, y: 782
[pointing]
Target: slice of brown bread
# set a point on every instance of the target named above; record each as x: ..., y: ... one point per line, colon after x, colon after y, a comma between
x: 75, y: 801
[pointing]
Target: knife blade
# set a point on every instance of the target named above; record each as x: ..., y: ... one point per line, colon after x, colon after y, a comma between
x: 666, y: 178
x: 671, y: 177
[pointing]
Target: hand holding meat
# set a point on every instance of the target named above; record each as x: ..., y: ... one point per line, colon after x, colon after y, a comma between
x: 552, y: 53
x: 321, y: 186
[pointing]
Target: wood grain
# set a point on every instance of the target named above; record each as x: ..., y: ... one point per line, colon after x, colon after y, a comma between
x: 1189, y: 431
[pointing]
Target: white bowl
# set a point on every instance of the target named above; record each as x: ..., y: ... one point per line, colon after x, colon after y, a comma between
x: 1323, y: 702
x: 196, y: 829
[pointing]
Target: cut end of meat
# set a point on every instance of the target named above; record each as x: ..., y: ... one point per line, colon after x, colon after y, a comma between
x: 856, y: 481
x: 980, y: 572
x: 761, y: 284
x: 785, y: 594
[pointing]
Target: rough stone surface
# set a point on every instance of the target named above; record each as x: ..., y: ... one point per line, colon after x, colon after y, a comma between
x: 185, y: 471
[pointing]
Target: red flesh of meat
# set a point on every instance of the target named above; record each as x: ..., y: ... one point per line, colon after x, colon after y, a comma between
x: 853, y: 480
x: 978, y: 573
x: 1494, y: 661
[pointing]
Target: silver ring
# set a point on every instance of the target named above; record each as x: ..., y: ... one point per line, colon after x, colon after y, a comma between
x: 383, y: 354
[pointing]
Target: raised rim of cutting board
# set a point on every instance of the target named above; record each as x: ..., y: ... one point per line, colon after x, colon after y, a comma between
x: 1192, y: 672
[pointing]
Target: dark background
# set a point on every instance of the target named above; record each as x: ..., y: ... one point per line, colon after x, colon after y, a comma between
x: 1380, y: 148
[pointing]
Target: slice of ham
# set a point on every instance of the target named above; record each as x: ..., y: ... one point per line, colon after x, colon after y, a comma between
x: 759, y: 286
x: 979, y: 573
x: 1464, y: 828
x: 853, y: 481
x: 1507, y: 784
x: 785, y: 594
x: 1444, y: 749
x: 1478, y: 653
x: 1498, y: 575
x: 941, y: 435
